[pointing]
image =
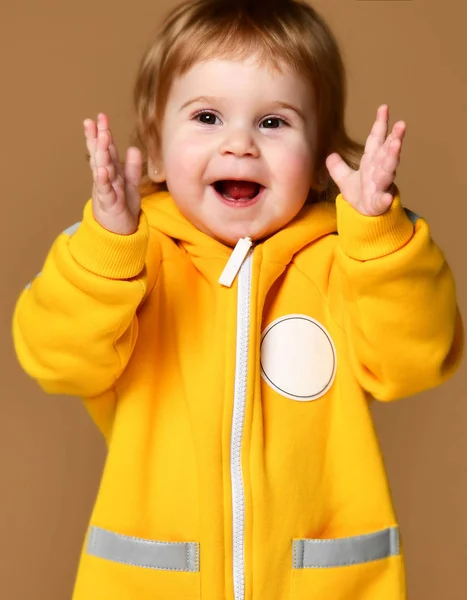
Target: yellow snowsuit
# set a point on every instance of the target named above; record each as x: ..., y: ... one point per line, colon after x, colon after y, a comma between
x: 242, y: 459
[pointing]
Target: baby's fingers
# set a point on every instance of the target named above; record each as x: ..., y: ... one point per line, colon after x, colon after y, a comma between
x: 104, y: 190
x: 90, y: 133
x: 103, y: 157
x: 103, y: 125
x: 105, y: 177
x: 385, y: 172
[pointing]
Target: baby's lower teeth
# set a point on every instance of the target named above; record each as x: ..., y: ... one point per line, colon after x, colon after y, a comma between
x: 237, y: 199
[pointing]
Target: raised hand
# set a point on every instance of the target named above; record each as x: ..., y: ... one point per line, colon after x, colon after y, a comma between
x: 116, y: 199
x: 370, y: 190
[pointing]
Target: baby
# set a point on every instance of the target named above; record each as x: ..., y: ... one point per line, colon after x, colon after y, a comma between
x: 237, y: 292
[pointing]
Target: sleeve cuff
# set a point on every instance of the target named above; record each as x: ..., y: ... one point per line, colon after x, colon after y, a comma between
x: 365, y: 238
x: 109, y: 254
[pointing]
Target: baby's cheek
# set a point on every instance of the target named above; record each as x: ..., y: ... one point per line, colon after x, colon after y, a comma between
x: 176, y: 156
x: 183, y: 160
x: 297, y: 169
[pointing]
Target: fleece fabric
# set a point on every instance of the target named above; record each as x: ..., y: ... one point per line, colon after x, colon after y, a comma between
x: 238, y: 421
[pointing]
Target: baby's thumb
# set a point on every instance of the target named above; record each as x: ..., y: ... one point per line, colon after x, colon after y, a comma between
x: 338, y: 169
x: 132, y: 174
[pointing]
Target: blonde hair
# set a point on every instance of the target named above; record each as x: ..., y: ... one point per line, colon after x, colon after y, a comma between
x: 281, y: 33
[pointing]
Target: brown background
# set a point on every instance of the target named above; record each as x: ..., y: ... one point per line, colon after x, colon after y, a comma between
x: 64, y: 61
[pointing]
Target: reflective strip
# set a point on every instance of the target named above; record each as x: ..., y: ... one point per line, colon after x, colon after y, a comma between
x: 30, y: 283
x: 412, y: 216
x: 149, y: 554
x: 72, y: 228
x: 68, y: 231
x: 317, y: 554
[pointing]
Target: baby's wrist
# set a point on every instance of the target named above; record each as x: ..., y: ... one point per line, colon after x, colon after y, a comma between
x: 106, y: 253
x: 368, y: 237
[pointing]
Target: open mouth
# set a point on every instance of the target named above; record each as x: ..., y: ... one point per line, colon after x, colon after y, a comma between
x: 238, y: 191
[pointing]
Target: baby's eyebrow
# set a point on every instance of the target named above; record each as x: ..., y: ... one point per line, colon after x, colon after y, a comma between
x: 214, y: 99
x: 208, y: 99
x: 286, y: 105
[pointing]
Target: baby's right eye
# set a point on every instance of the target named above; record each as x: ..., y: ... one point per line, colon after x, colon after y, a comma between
x: 206, y: 117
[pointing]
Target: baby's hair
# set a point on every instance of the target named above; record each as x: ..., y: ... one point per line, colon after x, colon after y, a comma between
x: 282, y: 34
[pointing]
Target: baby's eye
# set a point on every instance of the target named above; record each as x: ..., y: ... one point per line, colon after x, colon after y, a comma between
x: 272, y: 123
x: 207, y: 118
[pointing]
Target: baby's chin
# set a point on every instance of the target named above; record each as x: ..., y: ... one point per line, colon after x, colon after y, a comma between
x: 230, y: 235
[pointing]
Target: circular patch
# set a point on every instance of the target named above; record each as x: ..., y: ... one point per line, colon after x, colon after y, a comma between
x: 298, y: 358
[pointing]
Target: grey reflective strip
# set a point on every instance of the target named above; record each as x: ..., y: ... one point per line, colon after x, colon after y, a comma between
x: 68, y: 231
x: 168, y: 556
x: 71, y: 230
x: 412, y: 216
x: 30, y: 283
x: 317, y: 554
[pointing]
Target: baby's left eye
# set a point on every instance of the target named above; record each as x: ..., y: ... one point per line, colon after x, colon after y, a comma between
x: 272, y: 123
x: 206, y: 117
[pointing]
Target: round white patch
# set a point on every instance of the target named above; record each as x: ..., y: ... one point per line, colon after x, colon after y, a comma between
x: 298, y: 358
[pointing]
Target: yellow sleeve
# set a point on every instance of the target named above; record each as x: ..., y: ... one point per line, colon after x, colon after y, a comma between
x: 75, y: 325
x: 397, y: 302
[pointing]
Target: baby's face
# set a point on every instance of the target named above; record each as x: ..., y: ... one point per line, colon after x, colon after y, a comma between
x: 228, y: 121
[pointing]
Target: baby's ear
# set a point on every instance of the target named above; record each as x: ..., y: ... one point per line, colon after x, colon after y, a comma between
x: 156, y: 171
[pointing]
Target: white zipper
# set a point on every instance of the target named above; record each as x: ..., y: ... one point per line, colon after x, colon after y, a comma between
x: 241, y: 380
x: 240, y: 252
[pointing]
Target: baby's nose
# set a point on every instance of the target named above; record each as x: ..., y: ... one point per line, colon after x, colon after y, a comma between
x: 240, y: 143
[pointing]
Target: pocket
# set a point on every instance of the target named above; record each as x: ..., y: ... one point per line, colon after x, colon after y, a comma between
x: 120, y: 567
x: 362, y: 567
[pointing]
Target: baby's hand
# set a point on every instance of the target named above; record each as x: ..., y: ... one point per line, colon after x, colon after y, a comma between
x: 370, y: 190
x: 116, y: 199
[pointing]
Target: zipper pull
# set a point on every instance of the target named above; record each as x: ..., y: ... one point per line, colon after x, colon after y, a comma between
x: 235, y: 261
